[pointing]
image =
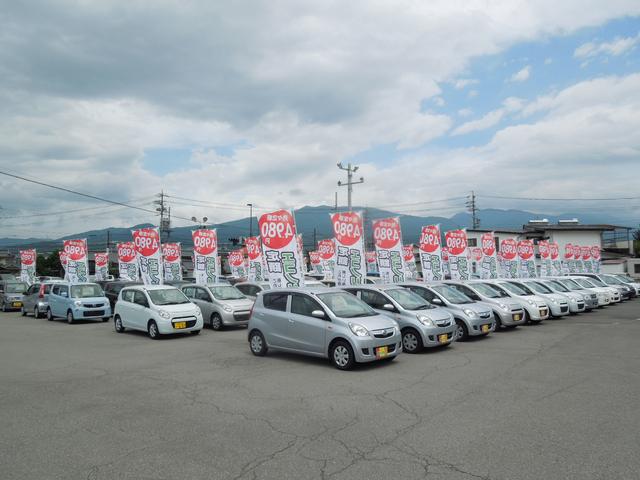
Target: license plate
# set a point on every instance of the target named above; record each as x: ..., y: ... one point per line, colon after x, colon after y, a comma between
x: 543, y: 313
x: 516, y: 317
x: 382, y: 352
x: 17, y: 304
x: 179, y: 325
x: 484, y: 328
x: 444, y: 338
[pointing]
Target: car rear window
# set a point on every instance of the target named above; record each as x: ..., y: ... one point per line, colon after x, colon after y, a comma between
x: 275, y: 301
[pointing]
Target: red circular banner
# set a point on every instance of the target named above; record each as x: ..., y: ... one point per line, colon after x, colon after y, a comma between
x: 205, y: 242
x: 75, y: 249
x: 146, y: 241
x: 456, y: 241
x: 430, y: 239
x: 508, y: 248
x: 386, y: 233
x: 277, y: 229
x: 347, y: 227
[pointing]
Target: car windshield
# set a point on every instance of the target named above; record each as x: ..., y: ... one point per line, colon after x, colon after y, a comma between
x: 558, y: 286
x: 611, y: 280
x: 582, y: 282
x: 517, y: 289
x: 489, y: 291
x: 167, y: 296
x: 452, y: 295
x: 265, y: 286
x: 408, y: 300
x: 226, y: 292
x: 596, y: 282
x: 539, y: 287
x: 15, y: 287
x: 86, y: 291
x: 346, y: 305
x: 625, y: 278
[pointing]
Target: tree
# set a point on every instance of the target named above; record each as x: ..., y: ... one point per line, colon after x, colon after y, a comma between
x: 50, y: 265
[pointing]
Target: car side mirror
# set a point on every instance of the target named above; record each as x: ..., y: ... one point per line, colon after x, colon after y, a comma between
x: 64, y: 294
x: 388, y: 306
x: 318, y: 314
x: 436, y: 301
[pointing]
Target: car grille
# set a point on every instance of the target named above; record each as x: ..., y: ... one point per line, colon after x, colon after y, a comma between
x: 93, y: 305
x: 564, y: 309
x: 94, y: 313
x: 594, y: 296
x: 485, y: 315
x: 443, y: 323
x: 241, y: 316
x: 385, y: 333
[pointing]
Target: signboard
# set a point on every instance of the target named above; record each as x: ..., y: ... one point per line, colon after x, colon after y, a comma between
x: 206, y: 267
x: 526, y: 259
x: 327, y: 251
x: 63, y: 262
x: 254, y: 255
x: 77, y: 260
x: 147, y: 244
x: 372, y: 262
x: 348, y: 234
x: 544, y: 249
x: 489, y: 262
x: 127, y: 262
x: 431, y: 253
x: 509, y: 260
x: 28, y: 266
x: 172, y: 261
x: 316, y: 262
x: 281, y: 250
x: 237, y: 263
x: 387, y: 238
x: 410, y: 270
x: 568, y: 263
x: 554, y: 255
x: 456, y: 242
x: 101, y: 262
x: 595, y: 258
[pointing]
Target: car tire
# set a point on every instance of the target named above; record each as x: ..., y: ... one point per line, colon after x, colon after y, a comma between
x: 215, y: 322
x: 105, y: 319
x: 195, y: 332
x: 498, y: 322
x: 36, y: 312
x: 117, y: 324
x: 23, y: 312
x: 257, y: 344
x: 154, y: 333
x: 70, y: 317
x: 411, y: 341
x: 4, y: 307
x: 342, y: 355
x: 49, y: 315
x: 462, y: 333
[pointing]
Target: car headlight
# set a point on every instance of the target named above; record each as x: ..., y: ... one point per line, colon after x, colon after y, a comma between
x: 573, y: 300
x: 358, y: 330
x: 164, y: 314
x: 425, y: 320
x: 531, y: 302
x: 470, y: 313
x: 198, y: 313
x: 77, y: 303
x: 503, y: 307
x: 554, y: 301
x: 227, y: 308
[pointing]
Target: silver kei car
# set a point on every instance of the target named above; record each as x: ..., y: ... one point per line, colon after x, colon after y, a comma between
x: 535, y: 306
x: 506, y: 312
x: 322, y: 322
x: 472, y: 318
x: 558, y: 303
x: 578, y: 301
x: 421, y: 324
x: 221, y: 304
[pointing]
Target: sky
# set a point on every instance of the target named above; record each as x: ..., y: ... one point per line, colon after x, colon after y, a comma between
x: 221, y: 104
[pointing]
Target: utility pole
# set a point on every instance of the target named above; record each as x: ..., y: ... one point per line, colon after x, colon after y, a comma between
x: 336, y: 204
x: 315, y: 240
x: 250, y: 205
x: 165, y: 214
x: 473, y: 210
x: 350, y: 183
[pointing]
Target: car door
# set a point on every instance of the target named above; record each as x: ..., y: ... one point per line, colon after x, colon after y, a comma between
x: 126, y: 308
x: 58, y: 307
x: 427, y: 294
x: 29, y: 300
x: 275, y: 317
x: 467, y: 291
x: 140, y: 314
x: 203, y: 299
x: 307, y: 333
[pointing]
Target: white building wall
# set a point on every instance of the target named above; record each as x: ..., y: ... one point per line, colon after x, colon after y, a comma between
x: 575, y: 237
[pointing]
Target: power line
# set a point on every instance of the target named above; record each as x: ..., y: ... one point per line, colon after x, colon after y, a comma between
x: 559, y: 199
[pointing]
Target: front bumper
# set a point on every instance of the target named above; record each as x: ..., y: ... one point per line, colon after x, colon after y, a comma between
x: 13, y: 303
x: 91, y: 313
x: 512, y: 318
x: 537, y: 314
x: 559, y: 310
x: 577, y: 307
x: 168, y: 326
x: 364, y: 348
x: 432, y: 336
x: 240, y: 317
x: 591, y: 303
x: 480, y: 326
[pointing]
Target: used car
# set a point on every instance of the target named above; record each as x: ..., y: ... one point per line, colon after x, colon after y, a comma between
x: 252, y: 289
x: 558, y: 303
x: 11, y: 295
x: 578, y: 301
x: 36, y: 299
x: 535, y: 307
x: 221, y: 304
x: 112, y: 290
x: 322, y: 322
x: 78, y: 301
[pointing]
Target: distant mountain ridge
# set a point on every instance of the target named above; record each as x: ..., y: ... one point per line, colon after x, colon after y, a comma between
x: 314, y: 223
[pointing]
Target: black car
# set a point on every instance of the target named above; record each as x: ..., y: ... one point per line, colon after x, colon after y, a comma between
x: 112, y: 290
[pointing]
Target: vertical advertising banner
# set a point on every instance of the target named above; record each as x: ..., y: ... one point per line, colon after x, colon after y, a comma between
x: 127, y: 262
x: 254, y: 254
x: 237, y: 263
x: 526, y: 259
x: 509, y: 253
x: 147, y: 244
x: 544, y: 249
x: 595, y: 259
x: 446, y: 267
x: 568, y: 264
x: 172, y: 261
x: 301, y: 258
x: 554, y: 255
x: 63, y: 262
x: 410, y: 270
x: 577, y: 258
x: 348, y: 231
x: 431, y: 256
x: 387, y: 238
x: 101, y: 263
x: 28, y: 266
x: 77, y: 260
x: 475, y: 257
x: 372, y: 262
x: 206, y: 267
x: 456, y: 242
x: 327, y: 251
x: 489, y: 262
x: 316, y: 262
x: 281, y: 250
x: 587, y: 265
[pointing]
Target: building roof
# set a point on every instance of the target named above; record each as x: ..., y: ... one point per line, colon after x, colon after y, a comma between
x: 513, y: 231
x: 573, y: 226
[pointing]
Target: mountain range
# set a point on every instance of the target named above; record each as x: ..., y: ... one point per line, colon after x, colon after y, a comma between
x: 314, y: 223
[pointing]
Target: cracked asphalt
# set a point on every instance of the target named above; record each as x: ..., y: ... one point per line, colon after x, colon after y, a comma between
x: 555, y: 401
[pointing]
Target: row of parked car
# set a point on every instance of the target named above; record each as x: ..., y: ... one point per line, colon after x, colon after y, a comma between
x: 347, y: 325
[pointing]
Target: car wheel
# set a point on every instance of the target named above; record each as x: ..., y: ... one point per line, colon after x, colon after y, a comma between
x: 69, y: 317
x: 49, y: 315
x: 4, y: 307
x: 257, y: 344
x: 153, y: 331
x: 498, y: 321
x: 342, y: 355
x: 411, y: 341
x: 216, y: 322
x: 117, y: 323
x: 195, y: 332
x: 36, y: 312
x: 462, y: 333
x: 23, y: 312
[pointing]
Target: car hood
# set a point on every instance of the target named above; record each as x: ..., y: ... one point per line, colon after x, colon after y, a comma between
x: 92, y: 300
x: 179, y: 309
x: 555, y: 296
x: 240, y: 304
x: 478, y: 307
x: 375, y: 322
x: 437, y: 314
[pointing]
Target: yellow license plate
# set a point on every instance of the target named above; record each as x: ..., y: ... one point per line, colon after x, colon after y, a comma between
x: 382, y: 352
x: 17, y: 304
x: 516, y: 317
x: 443, y: 338
x: 484, y: 328
x: 179, y: 325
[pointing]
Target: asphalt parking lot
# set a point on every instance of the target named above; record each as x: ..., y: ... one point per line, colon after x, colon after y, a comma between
x: 554, y: 401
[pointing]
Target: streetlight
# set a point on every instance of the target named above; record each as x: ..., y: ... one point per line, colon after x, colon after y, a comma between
x: 350, y: 183
x: 250, y: 205
x: 202, y: 224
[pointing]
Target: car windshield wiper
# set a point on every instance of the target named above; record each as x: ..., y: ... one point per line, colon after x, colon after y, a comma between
x: 423, y: 307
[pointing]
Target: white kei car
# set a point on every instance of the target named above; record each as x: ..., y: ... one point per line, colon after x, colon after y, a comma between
x: 157, y: 310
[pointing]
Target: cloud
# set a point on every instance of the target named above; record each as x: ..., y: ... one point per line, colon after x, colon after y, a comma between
x: 521, y: 75
x: 464, y: 82
x: 491, y: 119
x: 617, y: 47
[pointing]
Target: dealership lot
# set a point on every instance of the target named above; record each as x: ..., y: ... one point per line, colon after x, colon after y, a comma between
x: 558, y: 400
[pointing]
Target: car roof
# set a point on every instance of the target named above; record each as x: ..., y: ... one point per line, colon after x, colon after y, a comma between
x: 150, y: 287
x: 218, y: 284
x: 314, y: 290
x: 378, y: 286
